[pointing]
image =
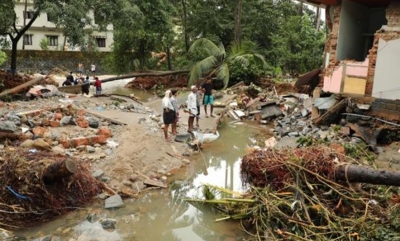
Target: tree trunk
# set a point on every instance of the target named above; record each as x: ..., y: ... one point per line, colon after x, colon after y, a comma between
x: 25, y: 8
x: 14, y: 41
x: 59, y: 170
x: 238, y: 21
x: 19, y: 88
x: 169, y: 58
x: 361, y: 174
x: 159, y: 73
x: 318, y: 18
x: 184, y: 20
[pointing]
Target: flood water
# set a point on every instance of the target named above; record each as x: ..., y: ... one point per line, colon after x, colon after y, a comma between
x: 162, y: 214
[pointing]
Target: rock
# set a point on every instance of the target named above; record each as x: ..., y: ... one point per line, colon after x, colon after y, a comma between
x: 293, y: 134
x: 8, y: 126
x: 138, y: 186
x: 66, y: 120
x: 41, y: 144
x: 102, y: 196
x: 27, y: 143
x: 98, y: 173
x: 133, y: 177
x: 113, y: 202
x: 94, y: 122
x: 93, y: 217
x: 12, y: 116
x: 58, y: 150
x: 46, y: 238
x: 90, y: 149
x: 108, y: 223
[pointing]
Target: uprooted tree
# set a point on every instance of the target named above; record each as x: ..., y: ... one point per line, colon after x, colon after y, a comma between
x: 308, y: 194
x: 38, y: 186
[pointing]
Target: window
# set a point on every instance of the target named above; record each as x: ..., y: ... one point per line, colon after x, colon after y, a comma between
x: 28, y: 39
x: 50, y: 18
x: 101, y: 42
x: 53, y: 40
x: 28, y: 14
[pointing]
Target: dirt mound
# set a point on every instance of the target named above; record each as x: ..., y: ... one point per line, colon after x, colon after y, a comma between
x: 9, y: 80
x: 170, y: 81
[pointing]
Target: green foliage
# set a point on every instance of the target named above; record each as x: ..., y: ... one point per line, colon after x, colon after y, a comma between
x: 215, y: 60
x: 359, y: 152
x: 3, y: 57
x: 7, y: 16
x: 298, y: 47
x: 44, y: 44
x: 148, y: 29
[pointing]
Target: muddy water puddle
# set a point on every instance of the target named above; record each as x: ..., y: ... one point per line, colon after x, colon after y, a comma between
x: 161, y: 214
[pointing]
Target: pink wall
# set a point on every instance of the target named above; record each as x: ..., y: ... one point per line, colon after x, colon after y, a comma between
x: 333, y: 82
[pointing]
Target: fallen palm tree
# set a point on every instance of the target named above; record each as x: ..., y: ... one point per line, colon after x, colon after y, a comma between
x: 297, y: 195
x: 37, y: 186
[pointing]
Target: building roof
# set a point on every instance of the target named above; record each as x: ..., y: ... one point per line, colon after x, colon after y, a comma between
x: 369, y: 3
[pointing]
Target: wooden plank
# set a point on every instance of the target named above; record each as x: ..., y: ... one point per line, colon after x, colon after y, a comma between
x: 155, y: 183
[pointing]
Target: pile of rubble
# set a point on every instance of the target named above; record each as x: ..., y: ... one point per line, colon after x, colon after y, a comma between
x: 297, y: 116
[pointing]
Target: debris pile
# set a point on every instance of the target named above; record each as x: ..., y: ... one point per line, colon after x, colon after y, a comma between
x: 294, y: 195
x: 29, y: 194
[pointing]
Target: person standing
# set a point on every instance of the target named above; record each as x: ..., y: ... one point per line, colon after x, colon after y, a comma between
x: 70, y: 78
x: 93, y: 69
x: 208, y: 98
x: 198, y: 103
x: 97, y: 84
x: 80, y: 69
x: 85, y: 86
x: 168, y: 113
x: 192, y: 107
x: 174, y: 103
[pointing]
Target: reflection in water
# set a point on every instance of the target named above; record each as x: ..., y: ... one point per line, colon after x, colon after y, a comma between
x: 162, y: 214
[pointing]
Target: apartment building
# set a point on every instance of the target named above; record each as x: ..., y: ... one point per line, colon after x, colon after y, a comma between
x: 43, y: 29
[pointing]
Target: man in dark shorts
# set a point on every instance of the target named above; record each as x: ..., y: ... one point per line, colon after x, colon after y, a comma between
x: 168, y: 113
x: 208, y: 98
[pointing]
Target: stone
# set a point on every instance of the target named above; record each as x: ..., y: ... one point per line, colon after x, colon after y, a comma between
x: 93, y: 217
x: 114, y: 201
x: 27, y: 143
x: 108, y: 223
x: 94, y: 122
x: 104, y: 132
x: 58, y: 150
x: 98, y: 173
x: 41, y: 144
x: 90, y: 149
x: 66, y: 120
x: 8, y: 126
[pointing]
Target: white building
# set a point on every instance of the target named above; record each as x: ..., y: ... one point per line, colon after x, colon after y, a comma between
x: 43, y: 29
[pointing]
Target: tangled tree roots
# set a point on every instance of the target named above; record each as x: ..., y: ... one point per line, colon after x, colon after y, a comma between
x: 25, y: 199
x: 278, y: 169
x: 293, y: 196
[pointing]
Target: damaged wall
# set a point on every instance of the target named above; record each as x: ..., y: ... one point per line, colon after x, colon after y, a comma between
x: 355, y: 23
x: 355, y: 32
x: 384, y: 68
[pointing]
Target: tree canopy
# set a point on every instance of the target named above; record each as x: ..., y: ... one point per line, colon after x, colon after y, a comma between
x: 283, y: 30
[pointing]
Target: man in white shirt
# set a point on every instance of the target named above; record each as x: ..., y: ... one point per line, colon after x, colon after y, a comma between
x: 192, y: 107
x: 168, y: 113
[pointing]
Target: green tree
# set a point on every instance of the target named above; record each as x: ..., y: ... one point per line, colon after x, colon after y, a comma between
x: 218, y: 61
x: 150, y: 31
x: 72, y: 15
x: 3, y: 57
x: 299, y: 48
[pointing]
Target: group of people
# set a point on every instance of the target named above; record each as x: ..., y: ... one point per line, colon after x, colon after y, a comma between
x: 84, y: 82
x: 171, y: 108
x: 92, y: 69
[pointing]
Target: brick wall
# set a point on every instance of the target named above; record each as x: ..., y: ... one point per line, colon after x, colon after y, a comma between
x: 386, y: 109
x: 332, y: 41
x: 37, y: 61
